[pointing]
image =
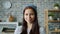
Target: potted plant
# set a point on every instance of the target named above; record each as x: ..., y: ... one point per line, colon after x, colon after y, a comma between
x: 50, y: 16
x: 56, y: 6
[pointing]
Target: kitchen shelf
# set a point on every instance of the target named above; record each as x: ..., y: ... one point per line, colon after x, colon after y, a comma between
x: 53, y: 20
x: 52, y: 26
x: 52, y: 10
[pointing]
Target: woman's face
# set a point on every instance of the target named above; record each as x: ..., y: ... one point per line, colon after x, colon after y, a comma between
x: 29, y: 15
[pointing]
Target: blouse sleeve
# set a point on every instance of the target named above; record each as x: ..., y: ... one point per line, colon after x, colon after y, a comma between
x: 42, y: 30
x: 18, y: 30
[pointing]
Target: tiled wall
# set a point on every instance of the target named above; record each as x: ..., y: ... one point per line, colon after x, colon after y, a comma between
x: 18, y: 6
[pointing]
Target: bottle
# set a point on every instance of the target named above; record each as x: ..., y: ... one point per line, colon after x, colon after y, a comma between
x: 11, y: 18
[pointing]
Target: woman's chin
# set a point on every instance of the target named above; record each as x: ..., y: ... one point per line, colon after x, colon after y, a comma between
x: 29, y: 22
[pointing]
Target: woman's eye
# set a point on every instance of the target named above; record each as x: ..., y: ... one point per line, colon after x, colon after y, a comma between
x: 31, y: 14
x: 26, y: 14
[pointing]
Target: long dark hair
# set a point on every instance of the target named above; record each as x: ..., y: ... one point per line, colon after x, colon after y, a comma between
x: 35, y: 26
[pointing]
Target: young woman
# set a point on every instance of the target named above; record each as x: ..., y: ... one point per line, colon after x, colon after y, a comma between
x: 30, y: 22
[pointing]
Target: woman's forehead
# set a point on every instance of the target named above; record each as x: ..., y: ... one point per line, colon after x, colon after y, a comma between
x: 29, y: 10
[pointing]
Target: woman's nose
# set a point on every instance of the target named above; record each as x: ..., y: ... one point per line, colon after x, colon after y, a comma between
x: 29, y: 16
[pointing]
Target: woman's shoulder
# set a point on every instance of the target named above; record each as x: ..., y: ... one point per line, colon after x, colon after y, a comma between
x: 19, y: 27
x: 18, y: 30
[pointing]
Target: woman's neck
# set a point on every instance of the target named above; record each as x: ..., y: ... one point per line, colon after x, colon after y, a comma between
x: 29, y: 25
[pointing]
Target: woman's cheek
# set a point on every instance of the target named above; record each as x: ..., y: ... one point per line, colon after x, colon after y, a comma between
x: 33, y: 17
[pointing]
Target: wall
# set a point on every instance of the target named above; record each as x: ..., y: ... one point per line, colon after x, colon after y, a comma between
x: 18, y: 5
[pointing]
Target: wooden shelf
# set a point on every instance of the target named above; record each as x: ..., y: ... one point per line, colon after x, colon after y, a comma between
x: 53, y: 20
x: 54, y: 10
x: 55, y: 31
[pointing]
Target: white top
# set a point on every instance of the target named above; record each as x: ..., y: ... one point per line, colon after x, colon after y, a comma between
x: 18, y: 30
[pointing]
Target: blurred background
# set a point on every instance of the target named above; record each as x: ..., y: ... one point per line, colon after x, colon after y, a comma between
x: 11, y: 11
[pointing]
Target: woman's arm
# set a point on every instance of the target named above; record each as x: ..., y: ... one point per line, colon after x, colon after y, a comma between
x: 18, y: 30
